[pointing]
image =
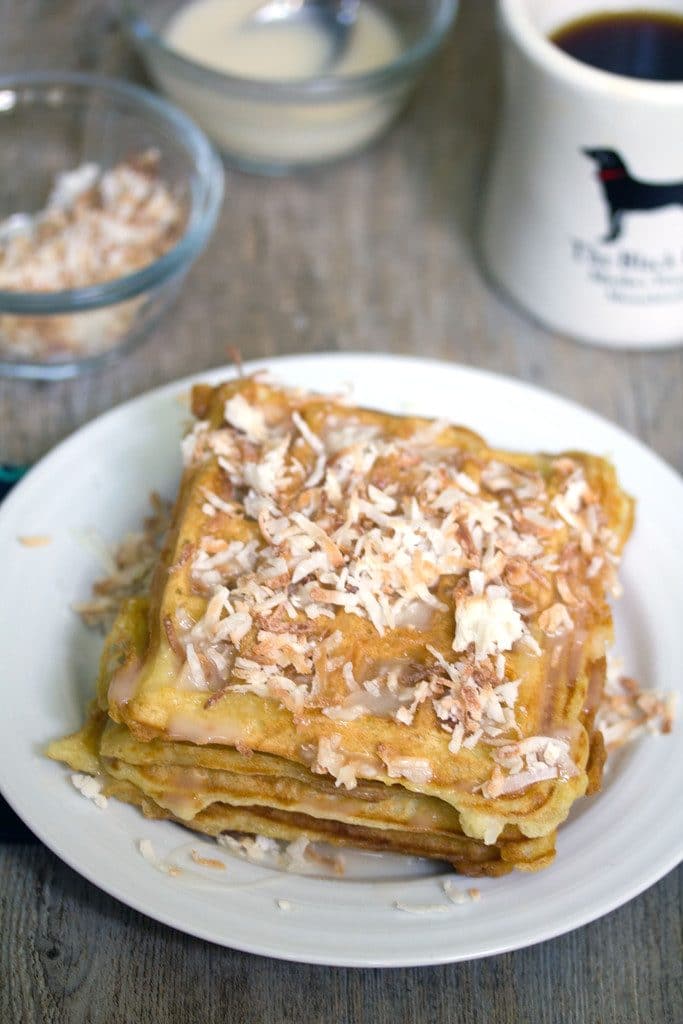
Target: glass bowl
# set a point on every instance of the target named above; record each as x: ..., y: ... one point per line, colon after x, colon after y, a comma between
x: 53, y: 122
x: 271, y: 126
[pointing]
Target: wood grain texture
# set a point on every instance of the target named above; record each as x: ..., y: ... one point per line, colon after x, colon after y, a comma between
x: 374, y: 254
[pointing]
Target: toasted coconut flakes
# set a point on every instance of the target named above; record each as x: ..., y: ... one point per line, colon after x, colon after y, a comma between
x: 172, y: 637
x: 346, y: 714
x: 349, y: 678
x: 421, y: 908
x: 352, y: 537
x: 185, y: 556
x: 536, y: 522
x: 466, y: 483
x: 295, y: 854
x: 459, y: 897
x: 255, y: 849
x: 268, y: 475
x: 477, y: 582
x: 564, y: 465
x: 98, y: 225
x: 284, y: 905
x: 457, y: 737
x: 497, y: 476
x: 569, y: 502
x: 129, y: 566
x: 333, y: 863
x: 193, y: 442
x: 555, y: 620
x: 332, y: 487
x: 429, y: 432
x: 530, y: 760
x: 217, y: 504
x: 490, y: 624
x: 331, y: 761
x: 454, y: 894
x: 239, y: 413
x: 235, y: 627
x: 530, y: 644
x: 90, y: 787
x: 520, y: 780
x: 595, y: 566
x: 295, y: 857
x: 148, y: 852
x: 417, y: 770
x: 316, y: 445
x: 384, y: 502
x: 311, y: 439
x: 627, y: 711
x: 97, y: 613
x: 196, y: 672
x: 564, y: 590
x: 405, y: 715
x: 207, y: 862
x: 36, y: 540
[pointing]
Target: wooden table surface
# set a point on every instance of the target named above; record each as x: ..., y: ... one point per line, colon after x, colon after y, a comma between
x: 375, y: 254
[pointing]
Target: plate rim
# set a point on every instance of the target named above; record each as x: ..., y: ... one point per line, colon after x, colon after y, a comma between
x: 170, y: 390
x: 264, y: 363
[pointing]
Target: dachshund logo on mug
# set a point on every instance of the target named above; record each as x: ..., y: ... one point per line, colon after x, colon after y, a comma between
x: 625, y: 194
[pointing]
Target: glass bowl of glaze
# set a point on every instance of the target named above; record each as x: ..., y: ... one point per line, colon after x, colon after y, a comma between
x: 267, y: 116
x: 53, y: 123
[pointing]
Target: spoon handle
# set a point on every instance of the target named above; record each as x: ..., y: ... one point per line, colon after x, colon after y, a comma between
x: 277, y: 10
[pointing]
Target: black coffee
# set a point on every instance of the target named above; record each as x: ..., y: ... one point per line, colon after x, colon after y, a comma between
x: 638, y: 44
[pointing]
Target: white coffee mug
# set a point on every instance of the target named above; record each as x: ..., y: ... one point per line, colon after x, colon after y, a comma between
x: 583, y: 214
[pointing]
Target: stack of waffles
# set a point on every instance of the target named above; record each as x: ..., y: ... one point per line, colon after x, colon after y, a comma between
x: 368, y: 629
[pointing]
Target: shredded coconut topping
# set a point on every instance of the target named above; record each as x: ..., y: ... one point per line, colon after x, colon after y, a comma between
x: 149, y: 854
x: 402, y: 533
x: 534, y: 759
x: 36, y: 540
x: 555, y: 619
x: 90, y: 787
x: 97, y: 226
x: 414, y: 769
x: 246, y: 418
x: 490, y: 623
x: 627, y: 710
x: 129, y: 567
x: 455, y: 896
x: 298, y: 857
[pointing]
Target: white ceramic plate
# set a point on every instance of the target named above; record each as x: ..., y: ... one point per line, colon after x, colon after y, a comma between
x: 614, y: 846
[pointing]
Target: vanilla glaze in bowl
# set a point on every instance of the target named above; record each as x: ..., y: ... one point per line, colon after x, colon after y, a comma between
x: 278, y: 124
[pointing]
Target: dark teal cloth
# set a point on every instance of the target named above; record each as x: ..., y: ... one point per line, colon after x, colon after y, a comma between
x: 12, y: 829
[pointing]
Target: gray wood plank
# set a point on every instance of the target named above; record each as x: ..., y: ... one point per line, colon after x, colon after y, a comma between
x: 69, y: 952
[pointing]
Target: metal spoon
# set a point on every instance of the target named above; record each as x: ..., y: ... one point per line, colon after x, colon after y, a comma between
x: 335, y: 17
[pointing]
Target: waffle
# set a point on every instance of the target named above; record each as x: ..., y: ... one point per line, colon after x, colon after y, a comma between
x: 370, y: 629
